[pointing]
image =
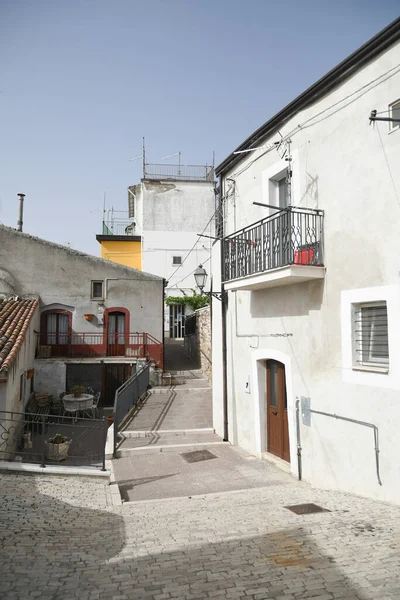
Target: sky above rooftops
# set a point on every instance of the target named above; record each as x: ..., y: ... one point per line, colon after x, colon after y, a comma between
x: 83, y: 81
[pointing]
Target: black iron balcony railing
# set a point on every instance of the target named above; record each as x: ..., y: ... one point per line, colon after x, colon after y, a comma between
x: 293, y: 236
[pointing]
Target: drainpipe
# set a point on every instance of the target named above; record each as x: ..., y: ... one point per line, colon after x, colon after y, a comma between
x: 299, y: 466
x: 21, y: 210
x: 224, y: 305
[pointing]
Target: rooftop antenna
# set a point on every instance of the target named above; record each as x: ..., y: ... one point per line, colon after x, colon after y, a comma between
x: 179, y: 154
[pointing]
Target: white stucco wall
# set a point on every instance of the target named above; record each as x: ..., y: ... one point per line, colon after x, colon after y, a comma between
x: 347, y: 168
x: 10, y: 399
x: 50, y: 376
x: 62, y: 278
x: 169, y: 215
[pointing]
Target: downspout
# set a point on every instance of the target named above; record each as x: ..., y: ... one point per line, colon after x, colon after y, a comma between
x: 224, y: 302
x: 299, y: 465
x: 163, y: 317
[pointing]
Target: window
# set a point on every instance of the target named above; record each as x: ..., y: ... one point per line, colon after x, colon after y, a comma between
x: 283, y: 193
x: 394, y: 113
x: 55, y: 327
x: 176, y: 260
x: 116, y: 328
x: 371, y: 338
x: 97, y: 290
x: 279, y: 190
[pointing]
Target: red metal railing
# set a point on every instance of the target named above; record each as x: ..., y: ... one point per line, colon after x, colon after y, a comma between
x: 91, y: 345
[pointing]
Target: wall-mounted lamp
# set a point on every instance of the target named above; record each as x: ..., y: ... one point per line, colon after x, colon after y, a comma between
x: 200, y: 277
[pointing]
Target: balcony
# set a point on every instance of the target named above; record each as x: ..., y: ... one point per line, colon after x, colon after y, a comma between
x: 178, y: 172
x: 98, y: 345
x: 119, y: 227
x: 282, y: 249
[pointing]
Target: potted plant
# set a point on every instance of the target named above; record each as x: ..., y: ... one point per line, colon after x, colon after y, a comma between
x: 77, y: 390
x: 57, y: 447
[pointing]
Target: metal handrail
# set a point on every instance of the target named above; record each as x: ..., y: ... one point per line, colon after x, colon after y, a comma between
x: 277, y: 215
x: 127, y: 396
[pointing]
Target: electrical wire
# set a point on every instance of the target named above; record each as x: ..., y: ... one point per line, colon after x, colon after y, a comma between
x: 300, y: 127
x: 388, y: 166
x: 194, y: 245
x: 189, y: 274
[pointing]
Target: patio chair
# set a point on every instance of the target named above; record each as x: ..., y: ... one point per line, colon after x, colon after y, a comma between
x: 95, y: 404
x: 89, y: 390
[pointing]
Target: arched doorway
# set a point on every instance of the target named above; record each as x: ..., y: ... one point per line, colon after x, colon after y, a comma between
x: 276, y: 410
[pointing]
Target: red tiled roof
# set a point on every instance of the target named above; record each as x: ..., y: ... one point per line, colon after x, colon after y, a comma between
x: 15, y: 316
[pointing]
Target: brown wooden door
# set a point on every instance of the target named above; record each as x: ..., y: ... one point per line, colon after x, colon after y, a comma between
x: 277, y: 420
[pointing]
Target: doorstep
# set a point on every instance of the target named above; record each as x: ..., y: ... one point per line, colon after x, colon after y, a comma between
x: 279, y: 462
x: 54, y: 470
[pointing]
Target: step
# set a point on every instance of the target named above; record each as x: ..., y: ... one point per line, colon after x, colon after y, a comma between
x: 141, y: 434
x: 182, y: 390
x: 155, y: 449
x: 193, y: 374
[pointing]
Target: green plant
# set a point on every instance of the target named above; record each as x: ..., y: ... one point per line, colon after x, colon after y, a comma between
x: 195, y: 302
x: 59, y: 438
x: 77, y: 390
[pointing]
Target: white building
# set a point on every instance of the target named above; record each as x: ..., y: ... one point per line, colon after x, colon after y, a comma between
x: 312, y: 280
x: 170, y: 207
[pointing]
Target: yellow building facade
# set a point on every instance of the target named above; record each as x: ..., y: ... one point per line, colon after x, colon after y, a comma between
x: 122, y: 249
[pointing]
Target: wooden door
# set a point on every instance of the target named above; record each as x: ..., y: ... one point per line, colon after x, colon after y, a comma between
x: 116, y: 334
x: 277, y: 420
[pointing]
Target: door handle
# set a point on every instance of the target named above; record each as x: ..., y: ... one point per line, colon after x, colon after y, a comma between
x: 274, y: 413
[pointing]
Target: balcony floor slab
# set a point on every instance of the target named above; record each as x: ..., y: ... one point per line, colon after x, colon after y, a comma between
x: 288, y: 275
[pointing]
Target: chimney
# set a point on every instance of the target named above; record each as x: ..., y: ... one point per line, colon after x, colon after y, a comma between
x: 21, y: 210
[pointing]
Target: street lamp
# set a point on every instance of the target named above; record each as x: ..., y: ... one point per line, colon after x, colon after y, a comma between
x: 200, y: 277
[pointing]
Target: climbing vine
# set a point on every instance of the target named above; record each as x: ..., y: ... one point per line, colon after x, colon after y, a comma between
x: 195, y: 302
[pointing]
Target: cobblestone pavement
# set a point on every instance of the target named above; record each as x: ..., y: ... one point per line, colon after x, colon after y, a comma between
x: 61, y: 539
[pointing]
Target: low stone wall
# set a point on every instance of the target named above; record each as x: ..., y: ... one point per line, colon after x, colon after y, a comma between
x: 203, y: 316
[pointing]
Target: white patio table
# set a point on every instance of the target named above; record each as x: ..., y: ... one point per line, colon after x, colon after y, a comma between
x: 75, y: 405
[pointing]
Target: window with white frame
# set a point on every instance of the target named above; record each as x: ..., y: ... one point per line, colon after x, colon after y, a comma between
x: 96, y: 290
x: 370, y: 335
x: 394, y: 113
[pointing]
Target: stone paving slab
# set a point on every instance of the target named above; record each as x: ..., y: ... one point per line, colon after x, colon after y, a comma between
x: 168, y: 475
x: 60, y: 539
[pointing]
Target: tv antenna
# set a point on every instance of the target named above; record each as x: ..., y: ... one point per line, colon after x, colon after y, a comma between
x: 179, y: 155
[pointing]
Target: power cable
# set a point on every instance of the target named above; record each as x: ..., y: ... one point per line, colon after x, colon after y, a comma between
x: 194, y: 245
x: 189, y: 274
x: 302, y: 125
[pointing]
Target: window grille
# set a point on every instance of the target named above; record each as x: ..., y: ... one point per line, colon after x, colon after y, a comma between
x: 371, y: 335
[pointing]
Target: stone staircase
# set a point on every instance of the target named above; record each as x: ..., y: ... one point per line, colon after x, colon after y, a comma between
x: 174, y: 418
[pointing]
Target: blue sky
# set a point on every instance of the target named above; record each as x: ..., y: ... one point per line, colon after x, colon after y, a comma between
x: 82, y: 81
